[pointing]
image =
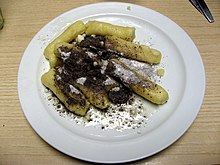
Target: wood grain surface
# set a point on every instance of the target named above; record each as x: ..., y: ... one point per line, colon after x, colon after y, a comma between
x: 20, y: 145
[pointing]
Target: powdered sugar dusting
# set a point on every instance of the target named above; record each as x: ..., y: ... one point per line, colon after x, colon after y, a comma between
x: 64, y: 55
x: 115, y: 89
x: 132, y: 115
x: 126, y: 75
x: 74, y: 90
x: 144, y: 69
x: 91, y: 54
x: 109, y: 81
x: 81, y: 80
x: 104, y: 65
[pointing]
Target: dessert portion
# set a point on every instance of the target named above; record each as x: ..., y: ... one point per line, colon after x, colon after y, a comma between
x: 87, y: 70
x: 70, y: 96
x: 137, y: 83
x: 132, y: 50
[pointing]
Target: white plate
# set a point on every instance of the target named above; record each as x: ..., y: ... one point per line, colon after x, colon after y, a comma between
x: 184, y: 79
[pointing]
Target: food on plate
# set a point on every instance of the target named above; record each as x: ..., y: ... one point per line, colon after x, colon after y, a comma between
x: 71, y: 97
x: 68, y: 35
x: 86, y: 69
x: 107, y: 29
x: 82, y: 71
x: 132, y: 50
x: 137, y: 83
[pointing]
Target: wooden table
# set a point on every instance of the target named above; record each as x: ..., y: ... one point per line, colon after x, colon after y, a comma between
x: 19, y: 144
